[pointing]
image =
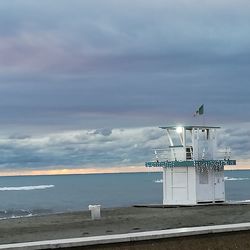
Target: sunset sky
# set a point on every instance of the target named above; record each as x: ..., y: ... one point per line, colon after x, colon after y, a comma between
x: 85, y: 84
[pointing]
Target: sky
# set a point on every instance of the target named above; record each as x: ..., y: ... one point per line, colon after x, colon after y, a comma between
x: 86, y: 84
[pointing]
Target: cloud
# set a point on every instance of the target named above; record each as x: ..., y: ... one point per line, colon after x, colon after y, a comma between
x: 45, y: 37
x: 120, y: 64
x: 100, y: 148
x: 237, y: 139
x: 18, y: 137
x: 103, y: 131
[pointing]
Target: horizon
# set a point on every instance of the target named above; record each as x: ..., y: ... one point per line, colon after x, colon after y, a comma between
x: 117, y: 170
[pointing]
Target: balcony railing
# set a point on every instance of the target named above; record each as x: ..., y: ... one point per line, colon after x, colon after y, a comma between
x: 176, y: 153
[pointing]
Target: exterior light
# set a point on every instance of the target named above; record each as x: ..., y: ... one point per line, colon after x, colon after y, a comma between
x: 179, y: 130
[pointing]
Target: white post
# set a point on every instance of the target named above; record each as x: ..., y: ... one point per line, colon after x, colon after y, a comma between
x: 164, y: 186
x: 184, y: 142
x: 95, y: 211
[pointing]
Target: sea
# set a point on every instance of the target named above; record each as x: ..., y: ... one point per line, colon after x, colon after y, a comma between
x: 22, y: 196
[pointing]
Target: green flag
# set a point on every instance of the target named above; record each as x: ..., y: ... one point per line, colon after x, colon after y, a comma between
x: 199, y: 111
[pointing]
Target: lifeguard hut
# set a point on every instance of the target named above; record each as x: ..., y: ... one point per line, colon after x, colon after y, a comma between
x: 193, y: 171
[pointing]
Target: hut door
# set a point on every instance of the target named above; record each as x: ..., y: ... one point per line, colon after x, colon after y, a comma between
x: 219, y: 186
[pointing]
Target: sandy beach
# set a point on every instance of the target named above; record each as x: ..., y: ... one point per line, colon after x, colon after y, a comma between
x: 118, y: 220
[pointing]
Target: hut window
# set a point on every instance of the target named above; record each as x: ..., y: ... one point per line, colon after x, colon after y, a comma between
x: 203, y: 177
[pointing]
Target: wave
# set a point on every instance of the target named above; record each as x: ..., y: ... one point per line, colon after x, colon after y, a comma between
x: 158, y: 181
x: 13, y: 214
x: 26, y: 188
x: 239, y: 201
x: 225, y: 178
x: 16, y: 216
x: 19, y: 213
x: 235, y: 178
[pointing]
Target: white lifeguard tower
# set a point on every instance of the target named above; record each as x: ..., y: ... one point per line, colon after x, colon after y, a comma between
x: 193, y: 171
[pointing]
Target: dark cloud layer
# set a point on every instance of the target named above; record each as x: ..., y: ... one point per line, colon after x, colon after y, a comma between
x: 93, y: 64
x: 102, y: 148
x: 117, y: 147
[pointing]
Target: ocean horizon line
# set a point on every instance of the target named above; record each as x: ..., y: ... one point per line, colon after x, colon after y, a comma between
x: 79, y: 171
x: 89, y: 171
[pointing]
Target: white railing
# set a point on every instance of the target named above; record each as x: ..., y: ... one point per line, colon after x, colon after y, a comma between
x: 169, y: 154
x: 172, y: 154
x: 162, y: 154
x: 224, y: 153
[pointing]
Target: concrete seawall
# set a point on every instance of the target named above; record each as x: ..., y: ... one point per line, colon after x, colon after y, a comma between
x: 230, y: 236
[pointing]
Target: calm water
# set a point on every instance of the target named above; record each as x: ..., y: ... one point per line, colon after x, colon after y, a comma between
x: 28, y: 195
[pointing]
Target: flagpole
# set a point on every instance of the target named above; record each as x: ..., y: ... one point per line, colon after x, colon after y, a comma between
x: 204, y: 118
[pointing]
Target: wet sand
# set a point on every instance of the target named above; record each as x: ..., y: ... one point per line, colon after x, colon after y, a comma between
x: 118, y: 220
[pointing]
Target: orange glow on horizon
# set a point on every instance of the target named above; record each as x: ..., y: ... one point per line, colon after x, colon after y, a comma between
x: 67, y: 171
x: 124, y: 169
x: 238, y: 167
